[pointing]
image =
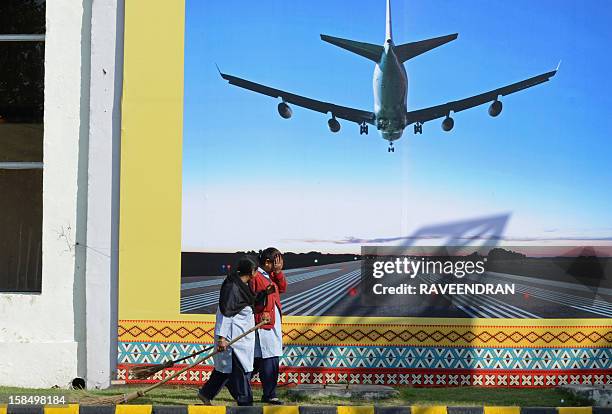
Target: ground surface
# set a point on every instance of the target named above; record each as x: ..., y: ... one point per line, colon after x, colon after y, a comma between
x: 464, y: 396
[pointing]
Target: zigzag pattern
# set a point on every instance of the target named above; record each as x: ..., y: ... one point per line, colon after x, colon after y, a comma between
x: 298, y: 334
x: 138, y: 330
x: 353, y: 357
x: 451, y: 336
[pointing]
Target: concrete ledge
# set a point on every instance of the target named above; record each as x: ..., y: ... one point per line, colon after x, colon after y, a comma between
x: 465, y: 410
x: 601, y: 395
x: 392, y: 410
x: 292, y: 409
x: 321, y: 409
x: 102, y: 409
x: 366, y: 392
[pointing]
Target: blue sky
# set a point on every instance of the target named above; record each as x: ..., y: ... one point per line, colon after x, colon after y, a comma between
x: 544, y: 161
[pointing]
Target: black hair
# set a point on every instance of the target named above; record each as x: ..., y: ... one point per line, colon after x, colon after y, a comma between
x: 246, y: 266
x: 268, y: 254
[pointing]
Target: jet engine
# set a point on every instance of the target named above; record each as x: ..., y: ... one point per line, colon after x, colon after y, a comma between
x: 495, y: 108
x: 284, y: 110
x: 448, y: 124
x: 334, y: 125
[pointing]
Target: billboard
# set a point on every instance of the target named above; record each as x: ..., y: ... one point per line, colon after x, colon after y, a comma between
x: 463, y: 252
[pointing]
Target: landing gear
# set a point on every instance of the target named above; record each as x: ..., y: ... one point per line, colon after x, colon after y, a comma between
x: 418, y: 128
x: 391, y: 147
x: 363, y: 128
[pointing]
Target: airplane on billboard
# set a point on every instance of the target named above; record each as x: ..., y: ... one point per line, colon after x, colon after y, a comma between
x: 391, y: 115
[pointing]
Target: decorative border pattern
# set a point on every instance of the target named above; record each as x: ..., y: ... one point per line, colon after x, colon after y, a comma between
x: 451, y: 335
x: 170, y: 331
x: 353, y: 357
x: 503, y: 336
x: 421, y: 355
x: 402, y: 377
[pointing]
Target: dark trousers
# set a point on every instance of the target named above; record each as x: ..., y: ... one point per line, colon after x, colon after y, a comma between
x: 238, y: 383
x: 268, y: 375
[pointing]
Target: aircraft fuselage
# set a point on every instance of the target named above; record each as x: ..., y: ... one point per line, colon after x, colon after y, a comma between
x: 390, y: 94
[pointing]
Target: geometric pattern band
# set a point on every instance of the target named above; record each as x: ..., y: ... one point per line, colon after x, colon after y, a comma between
x: 499, y: 335
x: 416, y: 378
x: 354, y: 357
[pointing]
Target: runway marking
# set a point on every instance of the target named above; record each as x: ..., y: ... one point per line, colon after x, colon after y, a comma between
x: 215, y: 282
x: 577, y: 302
x: 514, y: 309
x: 203, y: 283
x: 315, y: 299
x: 193, y: 302
x: 498, y: 308
x: 565, y: 285
x: 204, y: 299
x: 596, y: 306
x: 309, y: 275
x: 299, y: 298
x: 340, y: 294
x: 591, y: 305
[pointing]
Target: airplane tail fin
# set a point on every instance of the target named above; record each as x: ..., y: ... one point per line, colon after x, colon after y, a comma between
x: 389, y: 31
x: 367, y: 50
x: 410, y: 50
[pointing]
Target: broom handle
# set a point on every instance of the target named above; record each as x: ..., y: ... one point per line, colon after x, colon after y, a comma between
x: 208, y: 348
x: 204, y: 358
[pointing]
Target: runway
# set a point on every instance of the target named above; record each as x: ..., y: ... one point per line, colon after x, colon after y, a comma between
x: 334, y: 290
x: 211, y: 297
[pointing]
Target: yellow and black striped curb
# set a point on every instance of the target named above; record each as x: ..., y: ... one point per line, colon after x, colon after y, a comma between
x: 292, y: 409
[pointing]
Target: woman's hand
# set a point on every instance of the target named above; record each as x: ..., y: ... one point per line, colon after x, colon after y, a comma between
x: 222, y: 344
x: 265, y: 317
x: 278, y: 264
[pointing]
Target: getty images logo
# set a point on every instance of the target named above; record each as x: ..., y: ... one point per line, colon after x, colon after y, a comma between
x: 413, y: 267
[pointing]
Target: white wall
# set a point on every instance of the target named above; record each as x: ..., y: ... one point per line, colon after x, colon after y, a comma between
x: 103, y: 191
x: 43, y: 336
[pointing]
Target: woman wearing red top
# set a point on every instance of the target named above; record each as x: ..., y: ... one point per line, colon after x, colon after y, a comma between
x: 269, y: 338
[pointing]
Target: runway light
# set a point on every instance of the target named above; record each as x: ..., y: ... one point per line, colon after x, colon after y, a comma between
x: 352, y: 291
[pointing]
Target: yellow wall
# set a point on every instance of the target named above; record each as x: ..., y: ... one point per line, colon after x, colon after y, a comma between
x: 151, y: 151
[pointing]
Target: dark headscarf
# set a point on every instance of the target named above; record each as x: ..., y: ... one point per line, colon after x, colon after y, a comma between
x: 235, y: 295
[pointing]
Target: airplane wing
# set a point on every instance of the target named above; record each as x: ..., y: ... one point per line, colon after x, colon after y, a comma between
x: 439, y: 111
x: 343, y: 112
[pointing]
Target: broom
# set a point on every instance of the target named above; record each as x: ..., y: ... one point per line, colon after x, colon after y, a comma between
x: 146, y: 371
x: 124, y: 398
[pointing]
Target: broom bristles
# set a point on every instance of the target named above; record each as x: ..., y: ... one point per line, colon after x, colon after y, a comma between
x: 144, y: 372
x: 110, y: 400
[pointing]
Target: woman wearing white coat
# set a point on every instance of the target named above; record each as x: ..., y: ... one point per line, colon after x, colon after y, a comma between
x: 234, y: 364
